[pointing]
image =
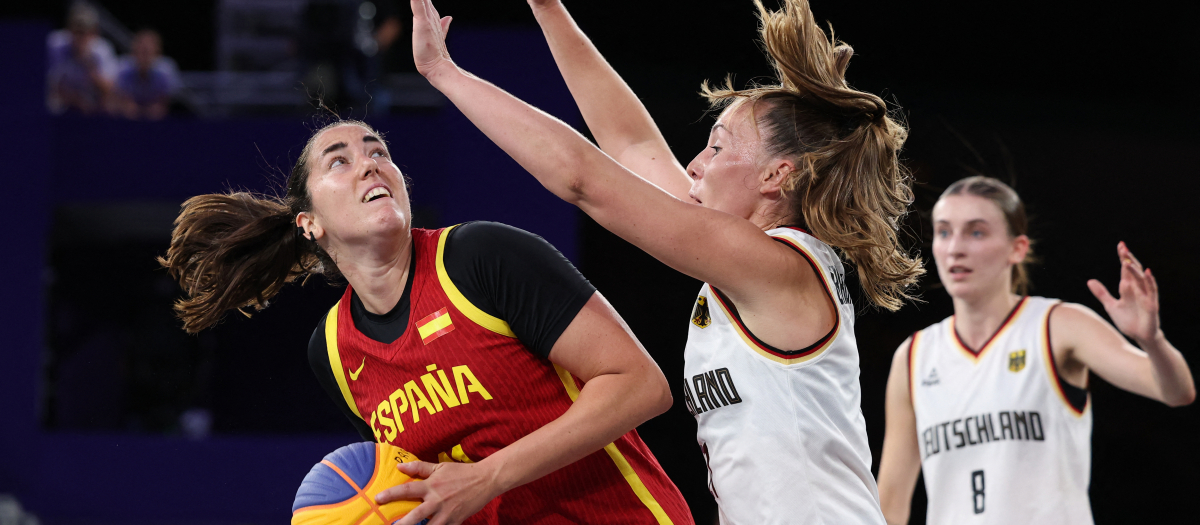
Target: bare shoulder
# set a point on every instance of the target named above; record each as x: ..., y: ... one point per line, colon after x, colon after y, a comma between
x: 1074, y: 316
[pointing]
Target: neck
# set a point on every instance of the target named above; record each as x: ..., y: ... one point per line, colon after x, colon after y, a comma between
x: 977, y: 319
x: 378, y: 272
x: 771, y: 214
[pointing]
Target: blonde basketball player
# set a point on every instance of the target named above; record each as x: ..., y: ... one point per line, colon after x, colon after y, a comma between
x: 991, y: 403
x: 794, y: 177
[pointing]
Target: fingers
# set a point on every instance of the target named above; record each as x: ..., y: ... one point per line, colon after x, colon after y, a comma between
x: 446, y: 24
x: 417, y: 515
x: 1133, y: 278
x: 1153, y: 284
x: 411, y: 491
x: 418, y: 469
x: 1101, y: 293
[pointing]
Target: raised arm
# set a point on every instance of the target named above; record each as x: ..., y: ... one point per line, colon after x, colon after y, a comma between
x: 900, y: 462
x: 732, y: 254
x: 613, y: 113
x: 622, y: 388
x: 1082, y: 340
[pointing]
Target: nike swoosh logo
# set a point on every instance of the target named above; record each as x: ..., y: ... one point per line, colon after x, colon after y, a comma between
x: 354, y: 374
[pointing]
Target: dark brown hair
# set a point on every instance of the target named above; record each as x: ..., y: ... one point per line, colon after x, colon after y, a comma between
x: 236, y: 250
x: 848, y: 186
x: 1005, y: 198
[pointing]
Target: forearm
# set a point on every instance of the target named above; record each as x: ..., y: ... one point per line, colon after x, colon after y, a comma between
x: 897, y: 481
x: 1171, y: 372
x: 608, y: 406
x: 615, y: 116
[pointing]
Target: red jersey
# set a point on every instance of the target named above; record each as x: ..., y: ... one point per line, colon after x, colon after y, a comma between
x: 458, y: 386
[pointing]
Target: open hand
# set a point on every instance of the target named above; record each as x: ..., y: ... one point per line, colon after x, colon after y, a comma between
x: 451, y: 492
x: 1135, y: 313
x: 429, y: 37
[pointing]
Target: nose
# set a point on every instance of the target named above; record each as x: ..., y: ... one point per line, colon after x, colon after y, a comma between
x: 371, y: 167
x: 694, y: 169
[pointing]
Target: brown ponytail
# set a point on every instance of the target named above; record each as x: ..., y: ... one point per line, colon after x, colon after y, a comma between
x: 849, y: 186
x: 237, y: 250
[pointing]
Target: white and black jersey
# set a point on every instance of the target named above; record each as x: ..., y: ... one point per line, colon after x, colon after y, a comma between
x: 1003, y: 439
x: 782, y: 431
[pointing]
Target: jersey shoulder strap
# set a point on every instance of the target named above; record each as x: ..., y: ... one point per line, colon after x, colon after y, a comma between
x: 460, y: 301
x: 335, y: 358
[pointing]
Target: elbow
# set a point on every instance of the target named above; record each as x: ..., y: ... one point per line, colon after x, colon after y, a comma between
x: 657, y: 395
x: 1183, y: 399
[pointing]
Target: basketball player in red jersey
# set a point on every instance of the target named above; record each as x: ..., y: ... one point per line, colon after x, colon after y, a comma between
x: 478, y: 348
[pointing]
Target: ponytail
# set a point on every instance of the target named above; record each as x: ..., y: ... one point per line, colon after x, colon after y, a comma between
x: 848, y: 186
x: 237, y: 250
x: 233, y: 251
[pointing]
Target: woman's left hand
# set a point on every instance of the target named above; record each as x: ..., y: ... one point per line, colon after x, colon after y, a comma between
x: 429, y: 37
x: 1135, y: 313
x: 450, y: 492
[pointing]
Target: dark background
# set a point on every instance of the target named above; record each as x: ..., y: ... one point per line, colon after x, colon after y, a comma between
x: 1088, y: 109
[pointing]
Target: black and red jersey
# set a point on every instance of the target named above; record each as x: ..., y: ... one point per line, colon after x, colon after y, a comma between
x: 458, y: 384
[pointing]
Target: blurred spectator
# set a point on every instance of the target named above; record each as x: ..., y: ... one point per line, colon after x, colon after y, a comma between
x: 146, y: 80
x: 340, y: 46
x: 81, y: 65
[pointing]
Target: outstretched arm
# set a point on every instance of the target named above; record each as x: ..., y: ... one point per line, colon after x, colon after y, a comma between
x: 1155, y: 370
x: 623, y: 387
x: 733, y: 254
x: 617, y: 119
x: 900, y: 462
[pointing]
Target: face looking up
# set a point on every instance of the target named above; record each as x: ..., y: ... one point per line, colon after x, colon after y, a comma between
x: 358, y: 193
x: 973, y: 248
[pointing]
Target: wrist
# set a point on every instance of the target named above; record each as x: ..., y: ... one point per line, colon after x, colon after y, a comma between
x: 442, y: 72
x: 1154, y: 342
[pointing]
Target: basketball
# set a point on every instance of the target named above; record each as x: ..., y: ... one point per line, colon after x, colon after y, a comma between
x: 341, y: 489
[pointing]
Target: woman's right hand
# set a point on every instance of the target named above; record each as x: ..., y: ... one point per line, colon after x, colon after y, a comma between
x: 429, y: 38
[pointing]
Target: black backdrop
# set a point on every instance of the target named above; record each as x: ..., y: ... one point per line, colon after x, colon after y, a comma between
x: 1088, y: 107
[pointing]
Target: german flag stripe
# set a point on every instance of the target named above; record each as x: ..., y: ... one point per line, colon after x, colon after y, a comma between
x: 770, y: 352
x: 1056, y: 381
x: 912, y: 351
x: 1008, y: 321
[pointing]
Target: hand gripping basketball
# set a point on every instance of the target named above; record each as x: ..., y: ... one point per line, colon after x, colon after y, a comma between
x: 341, y: 489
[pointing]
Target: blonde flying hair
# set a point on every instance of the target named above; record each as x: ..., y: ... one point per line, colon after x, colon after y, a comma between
x: 848, y: 186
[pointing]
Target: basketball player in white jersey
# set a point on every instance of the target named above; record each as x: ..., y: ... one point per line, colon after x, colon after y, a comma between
x: 771, y: 360
x: 991, y: 403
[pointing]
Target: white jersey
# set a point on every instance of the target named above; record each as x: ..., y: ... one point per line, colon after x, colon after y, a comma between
x: 782, y: 431
x: 1002, y: 438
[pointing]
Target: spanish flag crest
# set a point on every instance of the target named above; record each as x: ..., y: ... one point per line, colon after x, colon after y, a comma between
x: 435, y: 325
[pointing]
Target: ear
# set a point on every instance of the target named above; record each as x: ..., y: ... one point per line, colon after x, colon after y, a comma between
x: 774, y: 175
x: 1020, y: 249
x: 307, y: 222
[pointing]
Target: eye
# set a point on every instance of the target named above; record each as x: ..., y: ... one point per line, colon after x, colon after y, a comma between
x: 977, y: 233
x: 716, y: 149
x: 378, y: 153
x: 942, y: 233
x: 337, y: 161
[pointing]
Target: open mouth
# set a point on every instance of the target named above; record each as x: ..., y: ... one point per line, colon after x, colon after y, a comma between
x: 376, y: 193
x: 959, y: 270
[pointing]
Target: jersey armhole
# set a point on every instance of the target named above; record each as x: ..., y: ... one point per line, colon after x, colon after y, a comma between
x: 460, y: 301
x: 335, y: 358
x: 1074, y: 397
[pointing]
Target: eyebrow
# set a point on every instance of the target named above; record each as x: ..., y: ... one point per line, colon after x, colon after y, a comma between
x: 339, y: 145
x: 333, y: 147
x: 719, y: 125
x: 970, y: 222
